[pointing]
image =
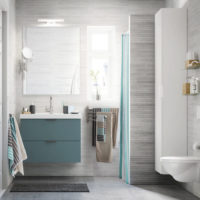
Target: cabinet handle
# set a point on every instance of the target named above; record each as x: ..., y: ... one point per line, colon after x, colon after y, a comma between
x: 50, y: 141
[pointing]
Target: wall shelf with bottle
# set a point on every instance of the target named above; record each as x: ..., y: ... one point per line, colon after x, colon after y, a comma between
x: 192, y: 85
x: 192, y: 60
x: 192, y: 64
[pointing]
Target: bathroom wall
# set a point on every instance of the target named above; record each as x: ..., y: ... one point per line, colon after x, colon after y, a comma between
x: 193, y: 101
x: 83, y: 13
x: 9, y: 82
x: 175, y: 3
x: 142, y: 80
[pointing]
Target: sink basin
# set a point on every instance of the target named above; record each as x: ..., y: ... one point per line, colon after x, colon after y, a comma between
x: 50, y: 116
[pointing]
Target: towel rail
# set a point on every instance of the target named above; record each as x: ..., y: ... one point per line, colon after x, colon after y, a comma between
x: 91, y: 113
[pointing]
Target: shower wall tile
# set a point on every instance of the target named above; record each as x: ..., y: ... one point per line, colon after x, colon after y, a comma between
x: 142, y: 80
x: 193, y: 45
x: 193, y: 101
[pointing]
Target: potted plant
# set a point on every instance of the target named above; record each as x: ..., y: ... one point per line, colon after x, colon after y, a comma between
x: 94, y: 75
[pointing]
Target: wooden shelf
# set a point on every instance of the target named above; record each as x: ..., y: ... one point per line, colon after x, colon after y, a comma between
x: 193, y: 67
x: 192, y: 64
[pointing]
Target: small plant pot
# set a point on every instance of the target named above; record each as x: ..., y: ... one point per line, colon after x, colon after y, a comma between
x: 98, y: 97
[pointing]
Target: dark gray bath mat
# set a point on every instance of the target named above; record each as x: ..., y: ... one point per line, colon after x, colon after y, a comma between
x: 61, y: 187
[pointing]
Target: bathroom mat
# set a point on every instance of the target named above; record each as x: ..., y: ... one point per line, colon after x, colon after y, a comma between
x: 51, y: 187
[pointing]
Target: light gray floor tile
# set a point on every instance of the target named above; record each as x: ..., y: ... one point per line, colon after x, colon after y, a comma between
x: 101, y: 188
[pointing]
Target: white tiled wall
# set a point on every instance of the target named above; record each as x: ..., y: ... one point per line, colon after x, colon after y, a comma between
x: 82, y: 13
x: 9, y: 81
x: 193, y: 101
x: 175, y: 3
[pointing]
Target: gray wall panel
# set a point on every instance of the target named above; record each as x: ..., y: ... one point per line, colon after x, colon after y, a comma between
x: 142, y: 67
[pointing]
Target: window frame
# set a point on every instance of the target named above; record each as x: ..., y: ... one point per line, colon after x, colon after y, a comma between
x: 107, y: 54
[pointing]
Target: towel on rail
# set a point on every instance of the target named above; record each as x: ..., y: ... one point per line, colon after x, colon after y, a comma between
x: 115, y: 112
x: 95, y: 110
x: 104, y: 148
x: 100, y: 123
x: 16, y: 151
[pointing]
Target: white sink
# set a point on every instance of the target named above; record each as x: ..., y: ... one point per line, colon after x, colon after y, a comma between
x: 50, y: 116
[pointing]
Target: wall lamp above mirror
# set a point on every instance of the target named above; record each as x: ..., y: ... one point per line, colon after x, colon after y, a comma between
x: 50, y: 22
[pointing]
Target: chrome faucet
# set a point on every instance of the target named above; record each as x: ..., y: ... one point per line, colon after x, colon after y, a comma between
x: 51, y: 105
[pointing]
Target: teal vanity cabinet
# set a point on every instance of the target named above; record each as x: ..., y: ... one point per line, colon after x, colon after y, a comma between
x: 52, y: 139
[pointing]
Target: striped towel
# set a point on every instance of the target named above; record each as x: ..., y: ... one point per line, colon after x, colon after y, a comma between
x: 101, y: 134
x: 13, y: 155
x: 105, y: 109
x: 95, y: 110
x: 16, y: 150
x: 115, y: 113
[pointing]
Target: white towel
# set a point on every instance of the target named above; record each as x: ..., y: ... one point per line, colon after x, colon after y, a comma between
x: 21, y: 150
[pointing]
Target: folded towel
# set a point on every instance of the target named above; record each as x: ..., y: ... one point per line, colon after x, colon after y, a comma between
x: 16, y: 150
x: 104, y: 149
x: 115, y: 112
x: 105, y: 109
x: 100, y: 118
x: 101, y: 128
x: 95, y: 110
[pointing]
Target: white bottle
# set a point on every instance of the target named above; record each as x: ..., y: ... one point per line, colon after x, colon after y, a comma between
x: 193, y: 86
x: 197, y: 86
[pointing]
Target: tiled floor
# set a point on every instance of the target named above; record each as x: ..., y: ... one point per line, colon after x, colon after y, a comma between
x: 103, y: 189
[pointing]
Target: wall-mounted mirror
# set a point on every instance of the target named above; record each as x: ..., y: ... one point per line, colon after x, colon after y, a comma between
x: 55, y: 63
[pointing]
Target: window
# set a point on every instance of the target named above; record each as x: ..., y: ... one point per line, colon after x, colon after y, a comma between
x: 100, y: 61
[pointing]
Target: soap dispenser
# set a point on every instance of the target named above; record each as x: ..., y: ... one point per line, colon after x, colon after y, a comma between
x: 32, y: 108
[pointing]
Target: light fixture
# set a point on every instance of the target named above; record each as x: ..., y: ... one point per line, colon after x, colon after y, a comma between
x: 50, y: 22
x: 27, y: 55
